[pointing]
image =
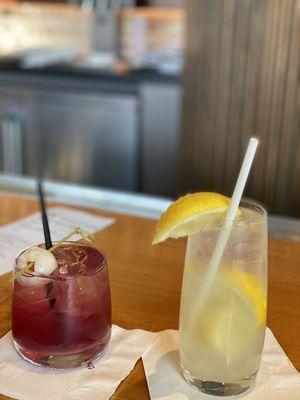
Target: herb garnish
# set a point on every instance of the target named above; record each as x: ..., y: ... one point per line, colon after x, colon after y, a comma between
x: 77, y: 231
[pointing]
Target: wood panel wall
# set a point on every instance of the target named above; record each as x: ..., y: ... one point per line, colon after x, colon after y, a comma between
x: 242, y: 78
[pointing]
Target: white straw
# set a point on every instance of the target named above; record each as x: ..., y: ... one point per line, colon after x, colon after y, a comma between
x: 223, y: 237
x: 242, y: 179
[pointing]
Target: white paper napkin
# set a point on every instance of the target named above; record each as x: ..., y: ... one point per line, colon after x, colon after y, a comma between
x: 277, y: 378
x: 19, y: 235
x: 21, y: 380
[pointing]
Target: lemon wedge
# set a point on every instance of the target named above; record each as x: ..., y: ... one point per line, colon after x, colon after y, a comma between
x: 189, y: 214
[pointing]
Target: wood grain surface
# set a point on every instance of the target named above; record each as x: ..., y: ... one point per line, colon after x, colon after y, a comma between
x: 146, y: 281
x: 241, y: 78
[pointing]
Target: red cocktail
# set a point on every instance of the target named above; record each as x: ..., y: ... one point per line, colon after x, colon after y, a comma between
x: 63, y: 319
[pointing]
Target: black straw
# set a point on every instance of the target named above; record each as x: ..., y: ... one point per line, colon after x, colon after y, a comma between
x: 48, y: 242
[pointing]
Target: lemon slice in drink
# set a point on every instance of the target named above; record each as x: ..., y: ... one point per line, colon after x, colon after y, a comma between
x: 233, y: 316
x: 189, y: 214
x: 248, y: 288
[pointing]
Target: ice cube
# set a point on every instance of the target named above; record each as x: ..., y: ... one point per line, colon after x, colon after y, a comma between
x: 37, y: 298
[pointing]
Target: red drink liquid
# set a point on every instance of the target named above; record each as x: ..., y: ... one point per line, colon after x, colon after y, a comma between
x: 64, y: 320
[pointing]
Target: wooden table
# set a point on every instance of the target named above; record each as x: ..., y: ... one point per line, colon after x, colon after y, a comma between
x: 146, y: 280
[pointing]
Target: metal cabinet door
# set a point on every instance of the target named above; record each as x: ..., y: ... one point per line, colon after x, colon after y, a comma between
x: 81, y: 137
x: 11, y: 124
x: 161, y: 134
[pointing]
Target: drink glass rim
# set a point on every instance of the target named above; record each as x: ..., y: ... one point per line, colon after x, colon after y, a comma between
x: 259, y: 216
x: 259, y: 210
x: 28, y: 274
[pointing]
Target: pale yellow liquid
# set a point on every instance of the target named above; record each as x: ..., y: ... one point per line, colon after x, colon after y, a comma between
x: 221, y: 339
x: 222, y: 323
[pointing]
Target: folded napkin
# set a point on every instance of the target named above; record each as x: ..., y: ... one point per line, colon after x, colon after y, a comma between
x: 21, y: 380
x: 277, y: 378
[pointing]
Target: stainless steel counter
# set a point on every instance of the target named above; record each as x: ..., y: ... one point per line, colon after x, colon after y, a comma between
x: 83, y: 120
x: 96, y: 128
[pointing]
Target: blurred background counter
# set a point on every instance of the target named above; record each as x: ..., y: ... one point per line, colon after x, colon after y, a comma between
x: 93, y: 96
x: 153, y: 96
x: 94, y: 128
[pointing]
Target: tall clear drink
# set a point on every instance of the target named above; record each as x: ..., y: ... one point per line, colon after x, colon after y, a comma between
x: 223, y: 320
